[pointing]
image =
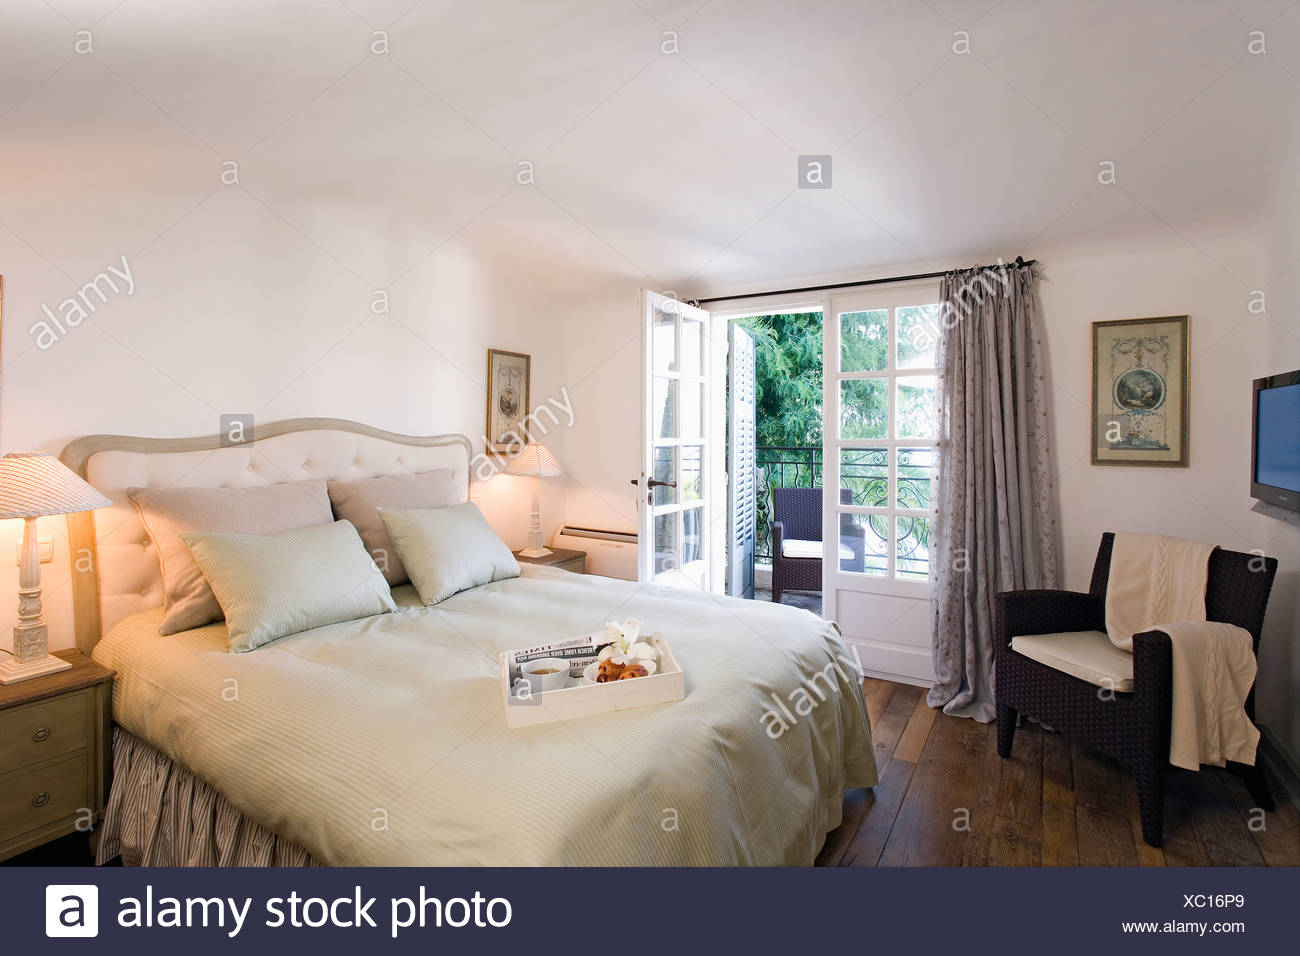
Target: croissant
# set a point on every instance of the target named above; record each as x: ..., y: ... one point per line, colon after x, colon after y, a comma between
x: 633, y: 670
x: 608, y: 671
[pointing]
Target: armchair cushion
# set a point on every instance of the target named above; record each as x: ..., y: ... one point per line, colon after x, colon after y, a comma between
x: 1087, y: 655
x: 797, y: 548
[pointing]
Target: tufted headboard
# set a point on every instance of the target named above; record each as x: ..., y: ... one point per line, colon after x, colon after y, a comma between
x: 115, y: 570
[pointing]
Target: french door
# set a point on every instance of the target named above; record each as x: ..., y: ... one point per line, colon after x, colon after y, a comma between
x: 682, y: 482
x: 879, y: 455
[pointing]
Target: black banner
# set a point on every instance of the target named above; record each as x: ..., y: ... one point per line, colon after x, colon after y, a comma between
x: 648, y: 911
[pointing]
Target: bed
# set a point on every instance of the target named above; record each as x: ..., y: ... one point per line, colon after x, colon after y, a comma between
x: 382, y: 741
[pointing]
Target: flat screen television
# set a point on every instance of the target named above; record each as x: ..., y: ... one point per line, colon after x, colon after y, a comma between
x: 1275, y: 446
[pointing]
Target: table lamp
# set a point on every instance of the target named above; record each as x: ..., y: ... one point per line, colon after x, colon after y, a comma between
x: 32, y: 486
x: 536, y: 462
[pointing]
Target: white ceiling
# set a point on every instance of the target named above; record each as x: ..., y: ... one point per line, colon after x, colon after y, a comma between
x: 679, y: 169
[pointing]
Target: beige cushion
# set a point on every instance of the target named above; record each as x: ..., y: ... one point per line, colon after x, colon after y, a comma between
x: 168, y: 512
x: 446, y: 550
x: 273, y: 585
x: 359, y: 502
x: 1087, y: 655
x: 798, y: 548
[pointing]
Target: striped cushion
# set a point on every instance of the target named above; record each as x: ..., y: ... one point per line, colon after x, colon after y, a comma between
x: 273, y: 585
x: 446, y: 550
x: 359, y: 502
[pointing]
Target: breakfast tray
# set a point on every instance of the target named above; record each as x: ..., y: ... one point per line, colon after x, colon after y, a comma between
x: 587, y: 700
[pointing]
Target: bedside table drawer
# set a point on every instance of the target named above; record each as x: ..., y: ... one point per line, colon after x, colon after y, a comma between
x: 43, y: 730
x: 577, y: 565
x: 36, y: 797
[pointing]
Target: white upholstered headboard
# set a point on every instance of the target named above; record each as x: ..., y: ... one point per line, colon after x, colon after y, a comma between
x: 115, y: 570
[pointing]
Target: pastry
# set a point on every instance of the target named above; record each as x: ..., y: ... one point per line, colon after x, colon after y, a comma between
x: 608, y: 671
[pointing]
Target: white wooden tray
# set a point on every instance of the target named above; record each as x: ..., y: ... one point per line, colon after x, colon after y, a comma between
x: 586, y: 700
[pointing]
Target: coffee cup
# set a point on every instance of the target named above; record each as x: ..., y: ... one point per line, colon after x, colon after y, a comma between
x: 548, y: 673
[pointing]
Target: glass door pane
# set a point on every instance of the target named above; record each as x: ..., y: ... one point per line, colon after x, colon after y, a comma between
x: 665, y: 470
x: 915, y: 406
x: 663, y: 411
x: 864, y: 341
x: 666, y: 543
x: 692, y: 346
x: 864, y: 408
x: 663, y: 342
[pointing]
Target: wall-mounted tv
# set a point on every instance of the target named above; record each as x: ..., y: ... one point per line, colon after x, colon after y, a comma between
x: 1275, y: 446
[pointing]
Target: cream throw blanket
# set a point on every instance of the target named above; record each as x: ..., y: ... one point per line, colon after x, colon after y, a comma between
x: 1158, y: 582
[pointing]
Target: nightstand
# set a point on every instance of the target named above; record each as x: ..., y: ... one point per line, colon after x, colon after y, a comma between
x: 55, y: 754
x: 562, y: 558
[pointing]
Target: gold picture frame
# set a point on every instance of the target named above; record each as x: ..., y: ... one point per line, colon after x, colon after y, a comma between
x: 508, y: 384
x: 1140, y: 392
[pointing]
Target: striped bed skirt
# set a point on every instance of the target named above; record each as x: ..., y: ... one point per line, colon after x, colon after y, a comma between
x: 160, y: 814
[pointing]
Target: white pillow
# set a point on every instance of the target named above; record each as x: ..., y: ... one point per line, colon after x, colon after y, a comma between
x: 446, y: 550
x: 273, y: 585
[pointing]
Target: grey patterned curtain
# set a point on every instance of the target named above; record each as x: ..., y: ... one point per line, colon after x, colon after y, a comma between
x: 995, y: 522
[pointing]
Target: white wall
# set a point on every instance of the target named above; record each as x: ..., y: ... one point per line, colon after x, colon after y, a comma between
x: 602, y: 360
x: 235, y: 311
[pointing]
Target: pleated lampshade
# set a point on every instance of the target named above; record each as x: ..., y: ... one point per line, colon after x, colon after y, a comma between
x: 534, y: 461
x: 33, y: 485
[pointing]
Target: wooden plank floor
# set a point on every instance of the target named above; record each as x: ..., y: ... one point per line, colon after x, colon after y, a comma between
x: 946, y: 798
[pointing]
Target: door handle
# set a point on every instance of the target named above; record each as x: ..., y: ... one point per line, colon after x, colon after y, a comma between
x: 651, y: 484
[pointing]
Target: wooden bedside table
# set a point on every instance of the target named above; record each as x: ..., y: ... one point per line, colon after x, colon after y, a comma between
x: 562, y: 558
x: 55, y: 754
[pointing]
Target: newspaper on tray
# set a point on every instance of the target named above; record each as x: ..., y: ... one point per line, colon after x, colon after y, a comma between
x: 579, y: 652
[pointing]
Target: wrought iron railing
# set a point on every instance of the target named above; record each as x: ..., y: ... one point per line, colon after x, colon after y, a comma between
x: 781, y: 466
x: 866, y: 472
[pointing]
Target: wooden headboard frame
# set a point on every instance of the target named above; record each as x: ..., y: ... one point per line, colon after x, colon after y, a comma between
x: 81, y: 526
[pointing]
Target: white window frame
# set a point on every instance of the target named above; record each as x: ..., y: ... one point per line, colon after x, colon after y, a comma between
x: 891, y: 298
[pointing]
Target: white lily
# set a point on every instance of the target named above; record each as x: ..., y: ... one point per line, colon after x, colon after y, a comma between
x: 625, y: 644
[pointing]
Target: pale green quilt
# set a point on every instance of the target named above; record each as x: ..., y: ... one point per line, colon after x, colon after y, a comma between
x: 383, y: 741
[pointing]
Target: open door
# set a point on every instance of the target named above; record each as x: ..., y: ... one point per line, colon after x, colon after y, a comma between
x: 680, y: 489
x: 742, y: 477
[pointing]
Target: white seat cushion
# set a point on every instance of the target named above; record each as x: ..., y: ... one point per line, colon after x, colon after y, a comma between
x: 797, y: 548
x: 1087, y: 655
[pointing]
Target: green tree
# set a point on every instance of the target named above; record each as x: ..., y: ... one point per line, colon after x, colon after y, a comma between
x: 788, y: 360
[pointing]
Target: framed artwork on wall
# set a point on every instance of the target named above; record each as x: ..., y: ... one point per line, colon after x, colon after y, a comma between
x: 1139, y: 392
x: 507, y: 400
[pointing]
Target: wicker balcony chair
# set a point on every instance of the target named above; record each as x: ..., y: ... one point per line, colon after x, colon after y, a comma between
x: 797, y: 540
x: 1128, y: 721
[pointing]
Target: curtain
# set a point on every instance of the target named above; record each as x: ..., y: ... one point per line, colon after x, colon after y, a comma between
x: 995, y: 522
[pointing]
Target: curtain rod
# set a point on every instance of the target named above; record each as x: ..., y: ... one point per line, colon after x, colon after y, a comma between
x: 1020, y: 261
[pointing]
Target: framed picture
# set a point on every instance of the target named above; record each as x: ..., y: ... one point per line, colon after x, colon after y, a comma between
x: 507, y: 400
x: 1139, y: 392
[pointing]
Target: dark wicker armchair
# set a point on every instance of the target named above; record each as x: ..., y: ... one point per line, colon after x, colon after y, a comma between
x: 1130, y: 727
x: 797, y: 516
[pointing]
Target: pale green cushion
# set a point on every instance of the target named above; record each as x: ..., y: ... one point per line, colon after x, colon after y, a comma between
x: 273, y: 585
x: 446, y: 550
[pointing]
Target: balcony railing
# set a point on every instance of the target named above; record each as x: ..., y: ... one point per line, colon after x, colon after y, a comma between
x: 866, y: 472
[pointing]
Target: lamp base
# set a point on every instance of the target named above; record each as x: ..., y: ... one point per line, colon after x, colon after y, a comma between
x: 11, y: 672
x: 535, y: 552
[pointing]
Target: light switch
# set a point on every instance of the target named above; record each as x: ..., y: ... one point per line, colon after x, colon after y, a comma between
x: 44, y: 545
